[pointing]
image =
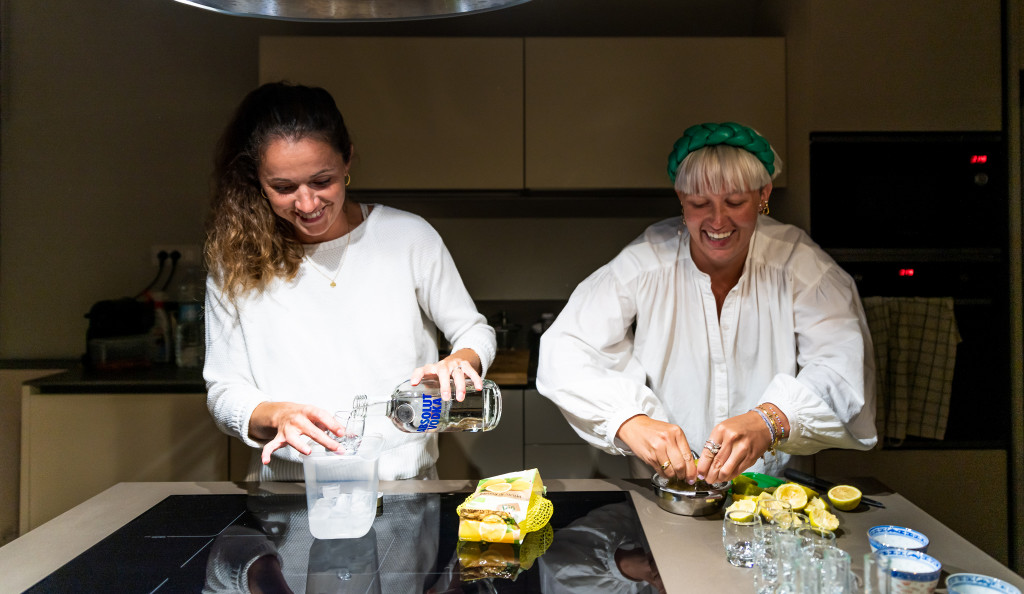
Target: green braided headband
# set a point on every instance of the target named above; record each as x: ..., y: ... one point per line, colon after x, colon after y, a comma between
x: 733, y: 134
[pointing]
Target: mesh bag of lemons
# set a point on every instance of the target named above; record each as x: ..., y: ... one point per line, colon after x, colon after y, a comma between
x: 505, y: 508
x: 747, y: 493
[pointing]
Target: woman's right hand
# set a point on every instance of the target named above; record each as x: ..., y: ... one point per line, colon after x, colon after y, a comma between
x: 657, y: 442
x: 290, y: 423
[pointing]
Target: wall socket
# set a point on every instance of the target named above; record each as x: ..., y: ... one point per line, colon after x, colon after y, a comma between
x: 190, y: 254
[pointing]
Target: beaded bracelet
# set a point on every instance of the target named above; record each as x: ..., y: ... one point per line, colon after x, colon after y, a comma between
x: 776, y: 428
x: 778, y: 419
x: 771, y: 428
x: 767, y: 422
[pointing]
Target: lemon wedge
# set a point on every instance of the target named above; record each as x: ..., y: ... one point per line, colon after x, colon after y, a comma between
x: 816, y: 503
x: 822, y: 519
x: 844, y: 497
x: 742, y: 510
x: 793, y: 494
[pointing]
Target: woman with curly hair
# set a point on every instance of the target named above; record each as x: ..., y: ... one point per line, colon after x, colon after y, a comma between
x: 722, y: 332
x: 313, y: 298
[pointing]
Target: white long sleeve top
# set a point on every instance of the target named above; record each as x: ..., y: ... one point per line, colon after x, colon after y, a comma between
x: 792, y: 332
x: 305, y: 341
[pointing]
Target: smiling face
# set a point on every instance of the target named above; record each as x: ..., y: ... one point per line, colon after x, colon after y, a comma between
x: 720, y: 226
x: 304, y: 180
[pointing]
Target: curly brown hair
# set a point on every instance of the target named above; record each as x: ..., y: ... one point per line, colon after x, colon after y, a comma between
x: 247, y: 245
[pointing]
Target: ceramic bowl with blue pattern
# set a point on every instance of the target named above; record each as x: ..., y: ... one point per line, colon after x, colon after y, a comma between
x: 975, y: 583
x: 913, y: 572
x: 896, y: 537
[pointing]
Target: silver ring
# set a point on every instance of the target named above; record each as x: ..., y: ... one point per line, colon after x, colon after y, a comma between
x: 457, y: 368
x: 712, y: 447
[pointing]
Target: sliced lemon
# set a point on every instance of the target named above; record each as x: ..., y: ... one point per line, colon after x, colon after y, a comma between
x: 793, y: 494
x: 810, y: 492
x: 769, y: 506
x: 823, y: 519
x: 844, y: 497
x: 744, y: 510
x: 498, y: 487
x: 816, y: 503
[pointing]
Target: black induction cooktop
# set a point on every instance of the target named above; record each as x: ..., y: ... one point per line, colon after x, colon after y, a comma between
x: 209, y: 543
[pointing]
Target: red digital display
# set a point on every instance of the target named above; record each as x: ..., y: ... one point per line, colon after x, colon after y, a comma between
x: 978, y: 159
x: 906, y: 272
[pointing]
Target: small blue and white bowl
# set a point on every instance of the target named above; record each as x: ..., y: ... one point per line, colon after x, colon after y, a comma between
x: 913, y: 572
x: 897, y: 537
x: 975, y: 583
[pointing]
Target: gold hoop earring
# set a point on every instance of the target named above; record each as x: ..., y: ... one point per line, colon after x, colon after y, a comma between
x: 264, y: 192
x: 348, y: 178
x: 764, y: 208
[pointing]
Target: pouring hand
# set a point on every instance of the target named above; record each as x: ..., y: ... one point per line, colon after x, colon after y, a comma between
x: 657, y: 442
x: 744, y: 438
x: 290, y: 423
x: 462, y: 364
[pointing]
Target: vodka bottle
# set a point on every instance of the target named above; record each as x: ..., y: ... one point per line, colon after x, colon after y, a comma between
x: 420, y: 408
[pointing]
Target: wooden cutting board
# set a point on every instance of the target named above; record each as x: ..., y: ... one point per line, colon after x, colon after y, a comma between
x: 510, y: 367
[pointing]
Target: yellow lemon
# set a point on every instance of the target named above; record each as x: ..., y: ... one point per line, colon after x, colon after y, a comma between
x: 823, y: 519
x: 816, y: 503
x: 810, y: 492
x: 492, y: 532
x: 499, y: 487
x: 793, y: 494
x: 744, y: 508
x: 844, y: 497
x: 770, y: 506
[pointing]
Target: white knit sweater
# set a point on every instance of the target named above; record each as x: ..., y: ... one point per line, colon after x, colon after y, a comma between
x: 305, y: 341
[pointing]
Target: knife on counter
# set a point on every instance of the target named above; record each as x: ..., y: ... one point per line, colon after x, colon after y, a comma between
x: 812, y: 481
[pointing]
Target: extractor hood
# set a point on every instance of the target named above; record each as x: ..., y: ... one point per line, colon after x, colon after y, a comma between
x: 350, y: 10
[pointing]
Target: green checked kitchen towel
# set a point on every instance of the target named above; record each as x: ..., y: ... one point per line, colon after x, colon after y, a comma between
x: 915, y: 340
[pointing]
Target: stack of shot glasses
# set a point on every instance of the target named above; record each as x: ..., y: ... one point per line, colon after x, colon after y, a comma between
x: 787, y: 554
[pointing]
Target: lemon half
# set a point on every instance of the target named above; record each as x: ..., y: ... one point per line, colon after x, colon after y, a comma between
x: 844, y: 497
x: 793, y: 494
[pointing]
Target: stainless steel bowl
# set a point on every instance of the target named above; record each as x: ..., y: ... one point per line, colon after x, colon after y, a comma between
x: 699, y: 499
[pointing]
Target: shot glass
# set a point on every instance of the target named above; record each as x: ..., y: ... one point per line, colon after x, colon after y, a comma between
x: 836, y: 577
x: 876, y: 577
x: 354, y: 424
x: 815, y: 537
x: 767, y: 508
x: 738, y: 537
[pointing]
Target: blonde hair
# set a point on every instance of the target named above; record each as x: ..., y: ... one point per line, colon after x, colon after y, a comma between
x: 722, y: 168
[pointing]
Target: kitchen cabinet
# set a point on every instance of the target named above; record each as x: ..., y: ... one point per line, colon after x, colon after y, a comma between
x: 423, y: 113
x: 552, y: 445
x: 605, y: 112
x: 74, y: 446
x: 542, y: 113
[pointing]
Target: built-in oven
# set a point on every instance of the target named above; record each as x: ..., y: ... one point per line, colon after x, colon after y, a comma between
x: 925, y: 215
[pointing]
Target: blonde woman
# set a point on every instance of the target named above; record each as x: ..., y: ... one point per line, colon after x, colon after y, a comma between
x: 723, y: 332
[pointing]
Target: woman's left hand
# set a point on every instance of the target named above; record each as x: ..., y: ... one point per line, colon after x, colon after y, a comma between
x: 462, y: 364
x: 743, y: 439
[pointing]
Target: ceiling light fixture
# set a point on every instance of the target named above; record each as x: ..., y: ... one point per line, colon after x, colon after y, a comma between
x: 350, y: 10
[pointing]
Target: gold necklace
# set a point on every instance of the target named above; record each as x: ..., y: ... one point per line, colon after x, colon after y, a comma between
x: 348, y: 240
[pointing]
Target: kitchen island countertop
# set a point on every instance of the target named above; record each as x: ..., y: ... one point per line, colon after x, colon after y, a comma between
x: 685, y: 548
